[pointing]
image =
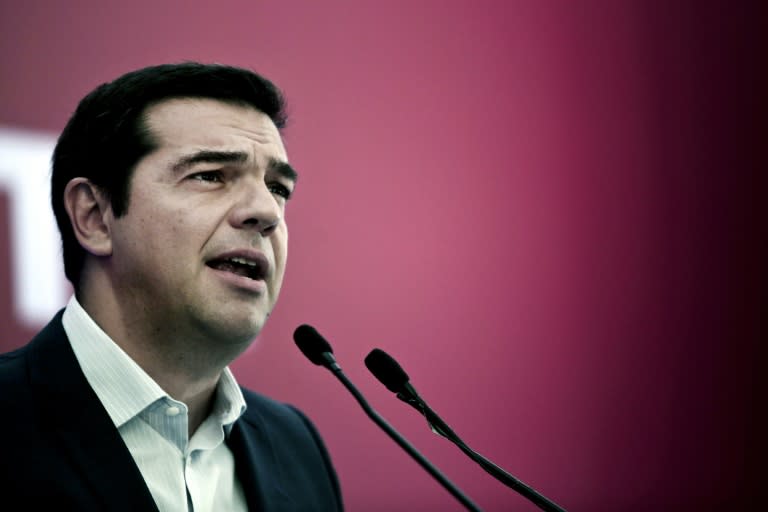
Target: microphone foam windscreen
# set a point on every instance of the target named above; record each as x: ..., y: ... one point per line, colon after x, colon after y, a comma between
x: 386, y: 369
x: 311, y: 343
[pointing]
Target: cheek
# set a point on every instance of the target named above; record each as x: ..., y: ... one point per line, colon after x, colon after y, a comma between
x: 281, y: 245
x: 161, y: 238
x: 280, y: 253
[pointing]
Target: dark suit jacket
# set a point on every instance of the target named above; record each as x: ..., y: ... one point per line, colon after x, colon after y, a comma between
x: 61, y: 451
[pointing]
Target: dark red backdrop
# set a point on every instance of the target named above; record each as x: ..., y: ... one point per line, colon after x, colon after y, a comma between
x: 547, y: 211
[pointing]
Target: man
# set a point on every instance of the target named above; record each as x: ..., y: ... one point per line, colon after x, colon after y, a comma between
x: 169, y: 186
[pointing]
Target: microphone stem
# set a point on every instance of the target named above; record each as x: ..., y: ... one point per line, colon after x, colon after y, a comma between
x: 535, y: 497
x: 404, y: 444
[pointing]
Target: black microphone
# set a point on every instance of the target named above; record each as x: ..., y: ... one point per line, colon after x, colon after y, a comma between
x: 315, y: 347
x: 392, y: 375
x: 319, y: 351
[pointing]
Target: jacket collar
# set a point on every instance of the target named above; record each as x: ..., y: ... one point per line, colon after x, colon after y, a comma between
x: 256, y: 464
x: 83, y: 427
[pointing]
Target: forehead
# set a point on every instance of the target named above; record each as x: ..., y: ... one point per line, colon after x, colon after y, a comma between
x: 180, y: 124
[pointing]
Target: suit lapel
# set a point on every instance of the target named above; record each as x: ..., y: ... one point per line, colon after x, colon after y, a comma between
x: 257, y: 466
x: 84, y: 429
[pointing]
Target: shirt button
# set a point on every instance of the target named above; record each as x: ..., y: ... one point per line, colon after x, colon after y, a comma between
x: 172, y: 411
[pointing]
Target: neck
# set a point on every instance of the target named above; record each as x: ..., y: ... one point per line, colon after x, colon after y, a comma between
x: 185, y: 364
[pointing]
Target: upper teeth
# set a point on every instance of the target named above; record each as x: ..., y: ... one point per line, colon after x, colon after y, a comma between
x: 243, y: 261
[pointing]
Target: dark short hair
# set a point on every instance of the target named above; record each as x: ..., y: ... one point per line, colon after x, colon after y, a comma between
x: 107, y: 135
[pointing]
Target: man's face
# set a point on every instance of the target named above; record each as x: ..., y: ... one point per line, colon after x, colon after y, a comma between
x: 201, y: 249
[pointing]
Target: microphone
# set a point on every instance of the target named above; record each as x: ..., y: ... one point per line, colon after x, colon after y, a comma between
x: 394, y: 378
x: 319, y: 351
x: 315, y: 347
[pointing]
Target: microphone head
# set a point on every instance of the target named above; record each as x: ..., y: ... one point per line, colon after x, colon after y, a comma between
x: 386, y: 369
x: 312, y: 344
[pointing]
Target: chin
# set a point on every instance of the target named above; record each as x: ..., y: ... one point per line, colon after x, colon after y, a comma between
x: 246, y: 330
x: 232, y: 330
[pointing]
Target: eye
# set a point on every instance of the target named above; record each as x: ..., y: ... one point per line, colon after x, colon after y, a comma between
x: 209, y: 176
x: 280, y: 190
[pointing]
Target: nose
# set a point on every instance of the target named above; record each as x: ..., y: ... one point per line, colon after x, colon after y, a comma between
x: 256, y: 208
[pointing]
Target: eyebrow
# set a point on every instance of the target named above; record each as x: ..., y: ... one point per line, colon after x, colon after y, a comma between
x: 284, y: 169
x: 232, y: 157
x: 212, y: 157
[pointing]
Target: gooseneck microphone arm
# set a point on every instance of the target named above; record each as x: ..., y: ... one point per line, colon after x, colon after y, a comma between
x: 319, y: 351
x: 389, y: 373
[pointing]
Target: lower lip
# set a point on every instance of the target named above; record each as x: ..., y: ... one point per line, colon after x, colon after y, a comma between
x: 245, y: 283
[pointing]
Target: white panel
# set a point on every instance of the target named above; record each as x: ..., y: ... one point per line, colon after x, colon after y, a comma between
x: 37, y: 270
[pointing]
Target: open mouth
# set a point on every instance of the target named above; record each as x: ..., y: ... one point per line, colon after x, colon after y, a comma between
x: 255, y: 269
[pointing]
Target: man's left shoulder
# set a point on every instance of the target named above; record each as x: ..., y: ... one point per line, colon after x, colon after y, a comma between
x: 290, y: 449
x: 263, y: 408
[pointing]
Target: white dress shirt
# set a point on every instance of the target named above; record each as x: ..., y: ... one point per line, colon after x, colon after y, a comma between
x: 183, y: 474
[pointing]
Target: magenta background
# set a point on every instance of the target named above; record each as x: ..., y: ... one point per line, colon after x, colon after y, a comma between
x: 546, y: 211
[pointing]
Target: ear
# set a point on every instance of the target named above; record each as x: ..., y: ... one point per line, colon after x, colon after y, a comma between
x: 89, y: 213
